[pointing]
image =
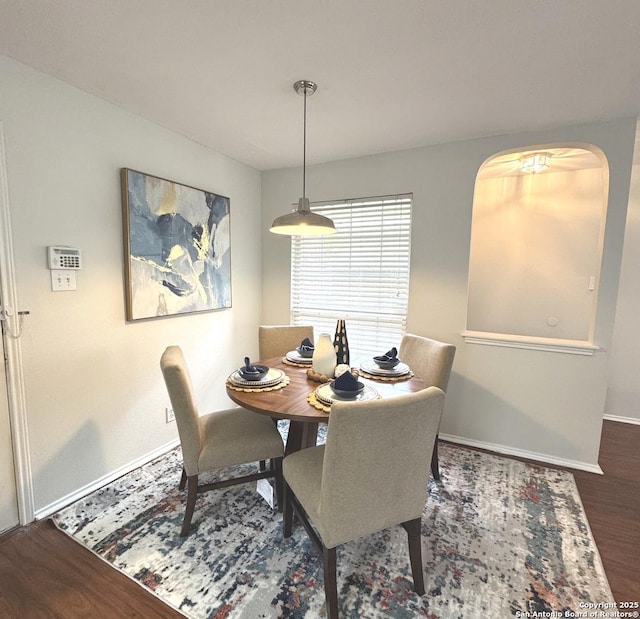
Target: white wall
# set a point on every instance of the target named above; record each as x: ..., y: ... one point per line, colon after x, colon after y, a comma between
x: 95, y: 395
x: 547, y: 404
x: 623, y: 396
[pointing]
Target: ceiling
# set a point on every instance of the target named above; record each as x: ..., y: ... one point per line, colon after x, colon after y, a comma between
x: 391, y: 74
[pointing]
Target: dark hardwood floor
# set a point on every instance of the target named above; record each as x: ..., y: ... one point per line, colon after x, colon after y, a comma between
x: 44, y: 574
x: 612, y: 504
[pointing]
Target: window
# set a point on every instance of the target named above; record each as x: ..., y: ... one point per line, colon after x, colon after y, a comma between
x: 360, y: 274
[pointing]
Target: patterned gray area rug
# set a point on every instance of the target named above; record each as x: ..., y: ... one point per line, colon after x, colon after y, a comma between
x: 500, y: 539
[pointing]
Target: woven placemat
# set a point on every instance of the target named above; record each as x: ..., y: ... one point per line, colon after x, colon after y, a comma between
x: 294, y: 364
x: 321, y: 406
x: 387, y: 379
x: 283, y: 383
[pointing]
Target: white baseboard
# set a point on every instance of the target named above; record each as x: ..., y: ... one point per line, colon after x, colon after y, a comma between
x: 520, y: 453
x: 63, y: 502
x: 632, y: 420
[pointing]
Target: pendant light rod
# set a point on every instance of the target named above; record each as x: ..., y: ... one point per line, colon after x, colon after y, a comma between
x: 304, y: 146
x: 305, y: 88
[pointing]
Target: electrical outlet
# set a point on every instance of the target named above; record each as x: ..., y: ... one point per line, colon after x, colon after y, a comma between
x: 169, y: 414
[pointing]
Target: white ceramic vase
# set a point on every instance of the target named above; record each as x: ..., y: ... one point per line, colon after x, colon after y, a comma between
x: 324, y: 356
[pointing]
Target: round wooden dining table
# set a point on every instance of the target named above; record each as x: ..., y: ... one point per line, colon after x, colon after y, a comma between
x: 291, y: 402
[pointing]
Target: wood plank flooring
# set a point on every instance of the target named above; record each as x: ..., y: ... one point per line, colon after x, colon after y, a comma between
x: 44, y: 574
x: 612, y: 504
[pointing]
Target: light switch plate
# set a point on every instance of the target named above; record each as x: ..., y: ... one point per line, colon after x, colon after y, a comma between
x: 62, y: 280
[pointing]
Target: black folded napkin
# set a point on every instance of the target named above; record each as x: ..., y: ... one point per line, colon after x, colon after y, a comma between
x: 250, y: 369
x: 307, y: 345
x: 346, y: 382
x: 252, y: 372
x: 389, y: 355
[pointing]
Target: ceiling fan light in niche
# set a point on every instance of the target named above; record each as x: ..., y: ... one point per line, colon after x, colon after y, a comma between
x: 535, y: 163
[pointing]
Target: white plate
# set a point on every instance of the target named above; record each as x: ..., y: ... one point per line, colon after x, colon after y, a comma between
x: 296, y: 357
x: 326, y: 395
x: 273, y: 377
x: 372, y: 367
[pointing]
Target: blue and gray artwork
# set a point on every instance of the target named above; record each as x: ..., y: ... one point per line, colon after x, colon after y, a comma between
x: 179, y: 248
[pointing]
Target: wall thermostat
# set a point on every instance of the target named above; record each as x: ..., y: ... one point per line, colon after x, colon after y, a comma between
x: 64, y: 257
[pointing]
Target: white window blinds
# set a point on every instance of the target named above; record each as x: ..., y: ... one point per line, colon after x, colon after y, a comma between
x: 360, y: 274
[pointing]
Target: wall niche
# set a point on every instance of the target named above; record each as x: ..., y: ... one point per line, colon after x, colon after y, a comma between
x: 536, y: 248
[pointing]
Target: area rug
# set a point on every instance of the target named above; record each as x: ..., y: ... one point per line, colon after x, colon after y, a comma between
x: 500, y: 539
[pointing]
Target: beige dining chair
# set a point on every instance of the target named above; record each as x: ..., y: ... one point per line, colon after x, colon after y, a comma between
x: 431, y: 361
x: 278, y: 340
x: 217, y: 440
x: 371, y: 474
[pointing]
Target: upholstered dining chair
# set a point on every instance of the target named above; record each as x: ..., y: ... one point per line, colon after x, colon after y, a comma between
x: 217, y: 440
x: 278, y: 340
x: 371, y: 474
x: 430, y: 361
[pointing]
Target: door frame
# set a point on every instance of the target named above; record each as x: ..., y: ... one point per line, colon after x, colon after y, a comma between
x: 17, y: 400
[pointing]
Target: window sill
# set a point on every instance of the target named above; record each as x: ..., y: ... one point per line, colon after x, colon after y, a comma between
x: 570, y: 347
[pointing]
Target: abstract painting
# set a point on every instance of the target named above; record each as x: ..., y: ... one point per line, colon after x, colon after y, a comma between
x: 177, y: 247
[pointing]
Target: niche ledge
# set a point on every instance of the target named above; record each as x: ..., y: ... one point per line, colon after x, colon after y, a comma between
x: 570, y: 347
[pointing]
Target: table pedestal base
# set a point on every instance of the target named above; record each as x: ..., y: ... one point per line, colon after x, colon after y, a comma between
x: 302, y: 434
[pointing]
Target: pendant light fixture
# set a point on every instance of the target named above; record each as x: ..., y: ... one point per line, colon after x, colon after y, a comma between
x: 302, y: 220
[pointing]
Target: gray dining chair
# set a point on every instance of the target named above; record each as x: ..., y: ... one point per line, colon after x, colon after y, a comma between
x: 431, y: 361
x: 217, y: 440
x: 278, y: 340
x: 372, y: 473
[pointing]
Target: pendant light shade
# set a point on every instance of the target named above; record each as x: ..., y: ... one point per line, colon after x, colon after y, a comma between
x: 302, y: 221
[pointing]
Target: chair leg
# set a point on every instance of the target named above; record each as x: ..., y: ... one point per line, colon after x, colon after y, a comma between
x: 192, y: 493
x: 277, y: 463
x: 330, y: 581
x: 414, y: 533
x: 287, y: 511
x: 435, y: 466
x: 263, y: 463
x: 183, y: 479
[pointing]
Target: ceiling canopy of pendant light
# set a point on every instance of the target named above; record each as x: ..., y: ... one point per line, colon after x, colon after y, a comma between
x: 303, y: 221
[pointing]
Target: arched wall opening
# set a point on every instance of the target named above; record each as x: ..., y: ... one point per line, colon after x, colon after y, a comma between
x: 537, y: 236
